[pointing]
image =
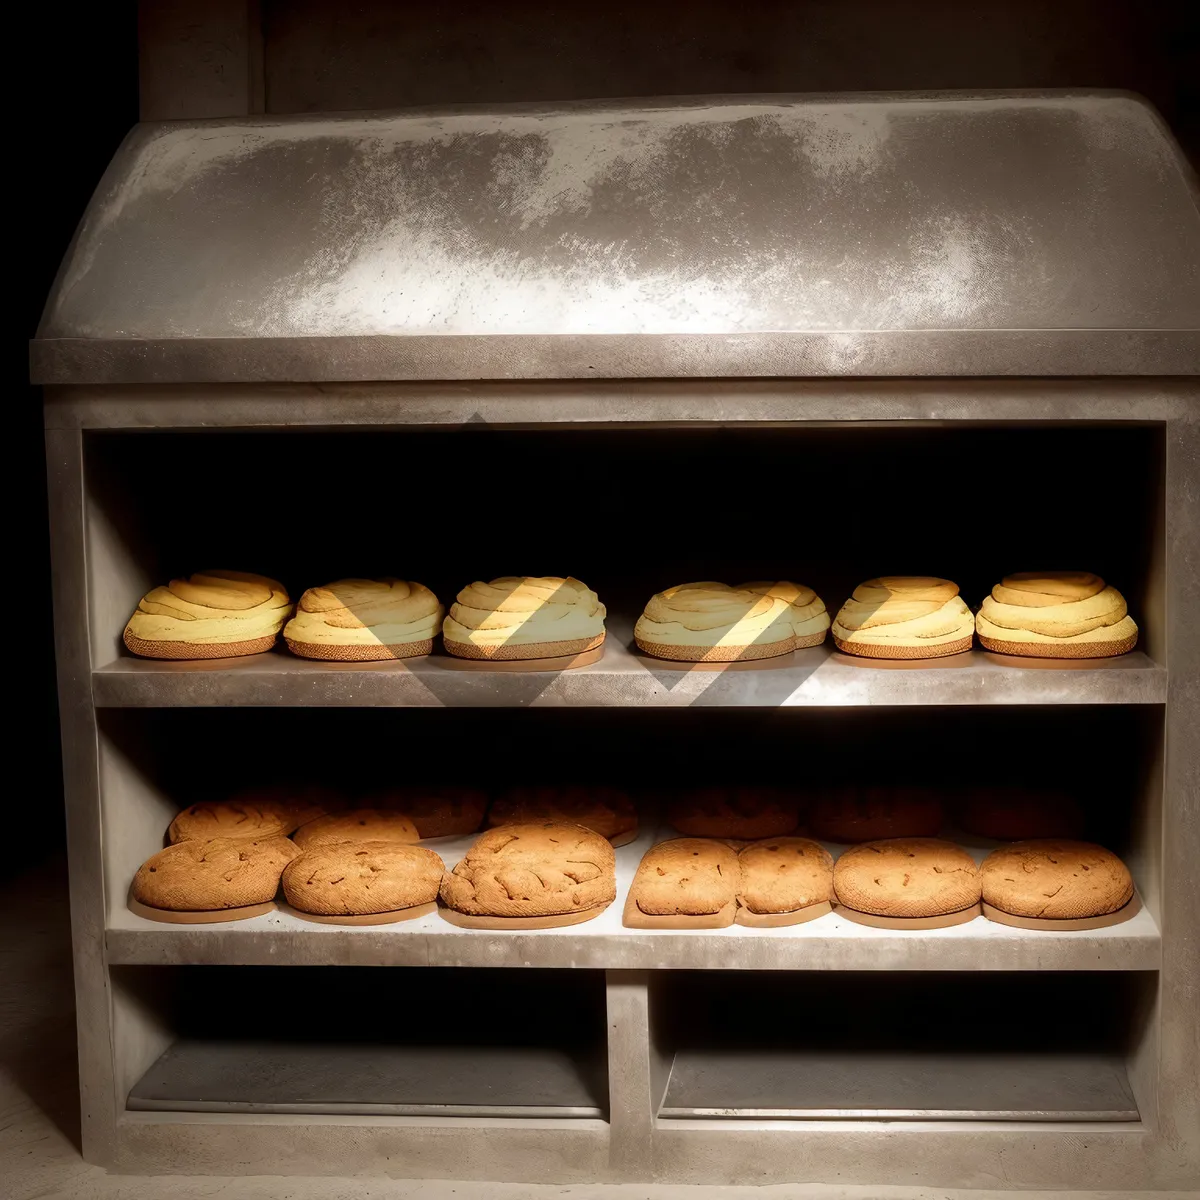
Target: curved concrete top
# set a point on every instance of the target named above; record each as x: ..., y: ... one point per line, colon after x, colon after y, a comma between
x: 782, y: 235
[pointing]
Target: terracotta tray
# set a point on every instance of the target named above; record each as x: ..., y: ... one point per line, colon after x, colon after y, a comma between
x: 207, y: 917
x: 384, y: 918
x: 778, y: 920
x: 469, y: 921
x: 1130, y: 910
x: 634, y: 918
x: 944, y: 921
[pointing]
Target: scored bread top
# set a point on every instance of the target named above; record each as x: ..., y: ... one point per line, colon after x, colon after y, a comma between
x: 1055, y: 878
x: 201, y: 875
x: 687, y: 876
x: 533, y: 870
x: 784, y: 875
x: 907, y: 877
x: 358, y: 825
x: 437, y: 810
x: 606, y: 810
x: 358, y: 878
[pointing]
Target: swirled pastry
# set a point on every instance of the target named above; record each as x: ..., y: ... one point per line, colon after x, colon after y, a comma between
x: 354, y: 620
x: 1056, y: 614
x: 217, y: 614
x: 904, y: 616
x: 524, y: 616
x: 809, y: 618
x: 712, y: 622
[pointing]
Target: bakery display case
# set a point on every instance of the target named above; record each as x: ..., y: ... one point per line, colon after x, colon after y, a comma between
x: 955, y: 336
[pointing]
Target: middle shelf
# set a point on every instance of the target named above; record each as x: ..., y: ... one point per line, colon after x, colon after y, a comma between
x: 830, y: 943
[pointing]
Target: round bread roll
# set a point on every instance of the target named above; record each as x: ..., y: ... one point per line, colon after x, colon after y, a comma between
x: 356, y: 620
x: 358, y: 825
x: 1056, y: 614
x: 907, y: 877
x: 785, y: 875
x: 740, y: 813
x: 362, y: 878
x: 1011, y: 814
x: 542, y: 870
x: 437, y: 811
x: 246, y: 817
x: 904, y: 616
x: 524, y: 616
x: 216, y: 614
x: 809, y: 618
x: 203, y: 875
x: 712, y: 622
x: 607, y: 811
x: 1055, y: 879
x: 686, y: 877
x: 869, y: 814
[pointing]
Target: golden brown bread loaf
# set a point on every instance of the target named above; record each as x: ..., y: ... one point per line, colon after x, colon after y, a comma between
x: 356, y: 620
x: 202, y: 875
x: 1056, y: 614
x: 215, y: 614
x: 362, y: 878
x: 242, y: 817
x: 1054, y: 878
x: 524, y: 616
x: 741, y: 813
x: 907, y: 877
x: 869, y: 814
x: 712, y: 622
x: 809, y: 618
x: 437, y: 811
x: 904, y: 616
x: 782, y: 875
x: 533, y: 870
x: 608, y: 811
x: 686, y: 877
x: 357, y: 825
x: 1011, y: 814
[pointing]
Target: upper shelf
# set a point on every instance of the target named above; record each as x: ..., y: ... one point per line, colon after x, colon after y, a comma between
x: 815, y: 678
x: 1028, y: 234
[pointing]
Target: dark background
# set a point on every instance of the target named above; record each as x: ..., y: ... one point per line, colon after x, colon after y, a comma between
x: 81, y: 66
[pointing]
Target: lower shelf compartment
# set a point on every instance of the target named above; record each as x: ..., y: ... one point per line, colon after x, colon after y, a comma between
x: 364, y: 1079
x: 806, y: 1085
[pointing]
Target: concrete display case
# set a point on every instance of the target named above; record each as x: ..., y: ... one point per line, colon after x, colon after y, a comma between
x: 237, y: 309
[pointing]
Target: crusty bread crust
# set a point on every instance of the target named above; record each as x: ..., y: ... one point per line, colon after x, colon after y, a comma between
x: 213, y: 873
x: 1055, y: 878
x: 357, y: 878
x: 686, y: 877
x: 782, y: 875
x: 907, y: 877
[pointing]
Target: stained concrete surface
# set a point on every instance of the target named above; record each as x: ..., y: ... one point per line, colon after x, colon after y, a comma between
x: 39, y: 1124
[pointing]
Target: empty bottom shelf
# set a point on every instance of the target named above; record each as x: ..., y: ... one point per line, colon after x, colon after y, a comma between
x: 794, y: 1085
x: 372, y: 1079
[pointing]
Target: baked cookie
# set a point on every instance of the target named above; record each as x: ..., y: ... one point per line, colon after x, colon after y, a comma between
x: 782, y: 875
x: 1011, y: 814
x: 809, y: 618
x: 540, y: 870
x: 357, y: 620
x: 436, y: 811
x: 907, y: 877
x: 1056, y: 614
x: 606, y: 810
x: 203, y: 875
x: 712, y: 622
x: 361, y: 878
x: 524, y: 616
x: 1057, y: 879
x: 870, y: 814
x: 686, y: 877
x: 741, y: 813
x: 904, y: 616
x: 217, y: 614
x: 357, y: 825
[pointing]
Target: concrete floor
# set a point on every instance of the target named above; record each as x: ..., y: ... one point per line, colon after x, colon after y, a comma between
x: 39, y: 1123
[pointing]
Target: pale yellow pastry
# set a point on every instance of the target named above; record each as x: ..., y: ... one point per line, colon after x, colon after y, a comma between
x: 217, y: 614
x: 904, y: 616
x: 524, y: 616
x: 712, y: 622
x: 1056, y: 614
x: 354, y: 620
x: 809, y: 618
